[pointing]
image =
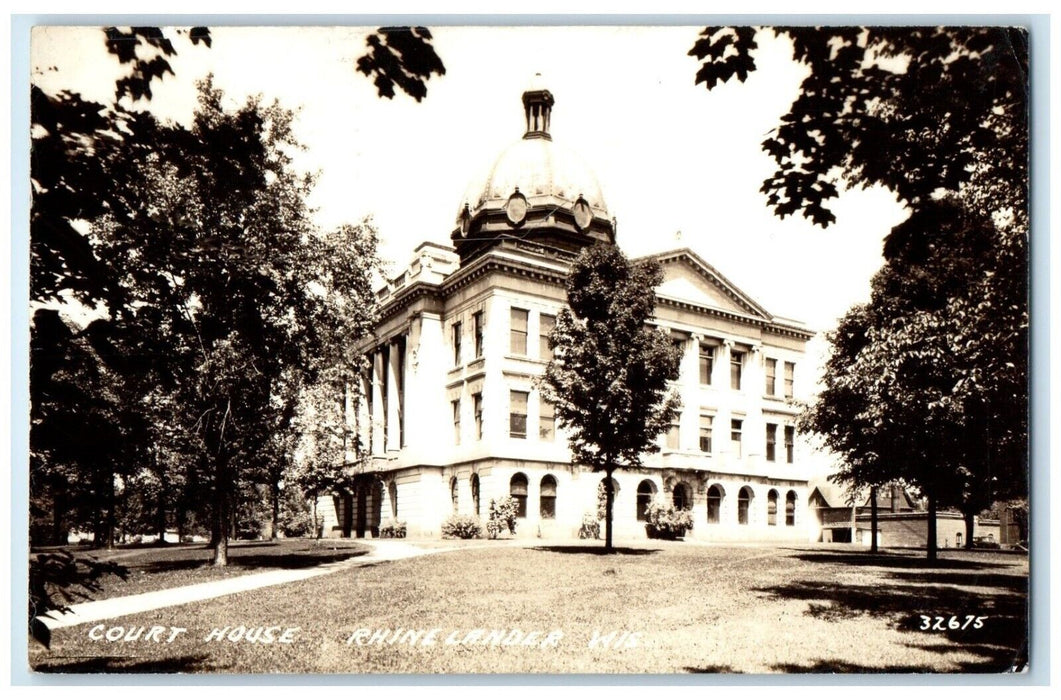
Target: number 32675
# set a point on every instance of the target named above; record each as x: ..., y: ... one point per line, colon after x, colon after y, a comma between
x: 943, y: 623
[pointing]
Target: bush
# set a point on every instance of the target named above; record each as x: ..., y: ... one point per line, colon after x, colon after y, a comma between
x: 665, y: 522
x: 392, y: 529
x: 502, y: 517
x: 590, y: 528
x: 464, y: 527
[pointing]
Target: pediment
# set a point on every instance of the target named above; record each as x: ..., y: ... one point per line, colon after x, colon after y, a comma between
x: 688, y: 278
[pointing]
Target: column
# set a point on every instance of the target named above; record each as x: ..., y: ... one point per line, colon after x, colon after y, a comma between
x: 363, y: 414
x: 377, y: 444
x: 755, y: 426
x: 394, y: 433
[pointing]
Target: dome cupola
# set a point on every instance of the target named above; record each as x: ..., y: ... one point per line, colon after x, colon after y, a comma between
x: 535, y: 191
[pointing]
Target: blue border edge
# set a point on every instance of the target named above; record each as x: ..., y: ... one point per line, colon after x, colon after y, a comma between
x: 1040, y: 389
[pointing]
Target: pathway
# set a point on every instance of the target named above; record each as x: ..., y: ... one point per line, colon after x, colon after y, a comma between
x: 382, y: 550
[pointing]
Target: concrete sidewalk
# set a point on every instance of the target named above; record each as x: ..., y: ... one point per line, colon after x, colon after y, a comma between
x: 382, y: 550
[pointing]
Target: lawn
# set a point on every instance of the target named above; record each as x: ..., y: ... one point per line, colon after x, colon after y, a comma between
x: 673, y: 608
x: 153, y: 568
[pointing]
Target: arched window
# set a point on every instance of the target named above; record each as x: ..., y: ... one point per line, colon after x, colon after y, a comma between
x: 682, y: 501
x: 645, y: 491
x: 714, y: 503
x: 548, y: 498
x: 771, y: 507
x: 790, y: 508
x: 454, y: 494
x: 475, y: 493
x: 392, y: 492
x: 517, y: 488
x: 744, y: 500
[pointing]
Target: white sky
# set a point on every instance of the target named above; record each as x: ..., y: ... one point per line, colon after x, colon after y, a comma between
x: 670, y: 156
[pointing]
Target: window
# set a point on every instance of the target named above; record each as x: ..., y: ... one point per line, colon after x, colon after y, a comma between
x: 475, y: 493
x: 517, y: 488
x: 477, y: 329
x: 645, y: 491
x: 673, y: 436
x: 744, y: 500
x: 771, y: 508
x: 546, y: 324
x: 790, y: 371
x: 790, y: 443
x: 454, y: 494
x: 456, y: 343
x: 517, y: 414
x: 771, y: 440
x: 548, y: 498
x: 771, y: 376
x: 714, y: 504
x: 518, y: 332
x: 705, y: 434
x: 734, y: 437
x: 790, y: 508
x: 736, y: 368
x: 477, y: 407
x: 456, y: 421
x: 707, y: 363
x: 546, y: 421
x: 681, y: 498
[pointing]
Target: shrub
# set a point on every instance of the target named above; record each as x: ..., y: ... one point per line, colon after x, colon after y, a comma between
x: 665, y: 522
x: 392, y: 529
x: 464, y: 527
x: 502, y: 516
x: 590, y: 528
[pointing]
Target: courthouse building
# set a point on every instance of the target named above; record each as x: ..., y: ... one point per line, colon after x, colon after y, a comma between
x: 451, y: 414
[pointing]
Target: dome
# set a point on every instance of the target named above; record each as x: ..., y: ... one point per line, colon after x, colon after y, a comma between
x: 536, y: 192
x: 544, y: 173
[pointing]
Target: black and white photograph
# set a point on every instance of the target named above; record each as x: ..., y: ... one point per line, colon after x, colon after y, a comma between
x: 545, y: 350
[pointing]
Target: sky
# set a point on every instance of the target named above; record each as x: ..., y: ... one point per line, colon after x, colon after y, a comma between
x: 680, y: 166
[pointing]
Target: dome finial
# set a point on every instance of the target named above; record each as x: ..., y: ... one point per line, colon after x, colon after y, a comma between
x: 537, y: 107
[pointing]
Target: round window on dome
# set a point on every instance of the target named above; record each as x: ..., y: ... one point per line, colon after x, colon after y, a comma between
x: 583, y: 214
x: 516, y: 208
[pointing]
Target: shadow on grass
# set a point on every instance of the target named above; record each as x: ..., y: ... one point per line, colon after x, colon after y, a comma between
x: 711, y: 669
x: 836, y: 666
x: 237, y: 559
x: 121, y: 664
x: 894, y: 561
x: 599, y: 549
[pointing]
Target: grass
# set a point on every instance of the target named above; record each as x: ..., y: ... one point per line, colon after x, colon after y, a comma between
x: 691, y: 608
x: 156, y: 568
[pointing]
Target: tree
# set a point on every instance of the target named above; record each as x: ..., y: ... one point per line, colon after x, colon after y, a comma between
x: 610, y: 373
x: 927, y: 382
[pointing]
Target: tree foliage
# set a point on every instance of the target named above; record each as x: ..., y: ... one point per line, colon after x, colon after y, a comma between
x: 401, y: 57
x: 915, y: 109
x: 610, y: 374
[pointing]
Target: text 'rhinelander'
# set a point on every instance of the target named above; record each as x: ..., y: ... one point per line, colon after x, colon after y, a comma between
x: 477, y: 637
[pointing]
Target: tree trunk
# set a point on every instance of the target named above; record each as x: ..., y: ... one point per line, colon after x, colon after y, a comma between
x: 970, y: 522
x: 275, y: 486
x: 609, y: 497
x: 931, y: 527
x: 222, y: 512
x: 873, y: 519
x: 316, y: 530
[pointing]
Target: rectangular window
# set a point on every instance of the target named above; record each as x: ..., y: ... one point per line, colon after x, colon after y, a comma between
x: 517, y: 414
x: 546, y: 324
x: 705, y: 434
x: 477, y: 407
x: 546, y: 421
x: 456, y: 344
x: 771, y: 376
x: 771, y: 439
x: 734, y: 437
x: 518, y: 332
x: 456, y: 421
x: 736, y: 368
x: 477, y: 327
x: 790, y: 444
x: 790, y: 372
x: 673, y: 436
x: 707, y: 363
